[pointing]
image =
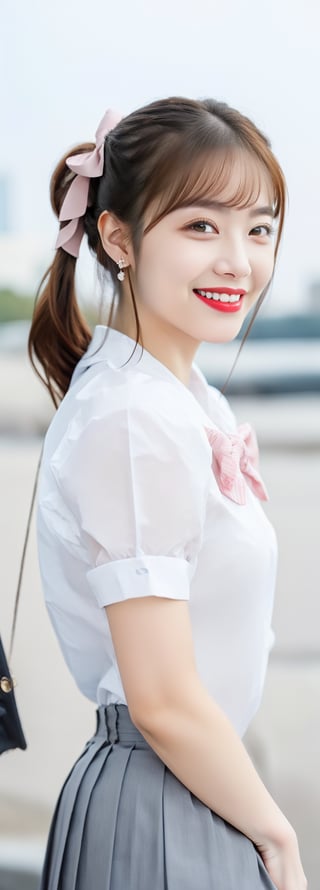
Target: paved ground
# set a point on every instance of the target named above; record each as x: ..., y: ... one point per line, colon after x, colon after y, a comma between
x: 284, y: 738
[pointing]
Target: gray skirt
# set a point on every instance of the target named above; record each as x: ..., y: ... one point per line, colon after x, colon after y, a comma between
x: 123, y: 821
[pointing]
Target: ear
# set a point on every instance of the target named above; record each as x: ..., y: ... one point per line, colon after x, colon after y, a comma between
x: 115, y: 238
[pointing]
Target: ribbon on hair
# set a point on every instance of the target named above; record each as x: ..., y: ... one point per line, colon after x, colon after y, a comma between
x: 235, y: 459
x: 86, y: 166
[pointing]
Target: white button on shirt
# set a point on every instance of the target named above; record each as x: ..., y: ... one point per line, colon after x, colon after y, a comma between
x: 130, y: 505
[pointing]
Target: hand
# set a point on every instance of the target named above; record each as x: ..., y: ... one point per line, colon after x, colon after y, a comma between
x: 283, y: 863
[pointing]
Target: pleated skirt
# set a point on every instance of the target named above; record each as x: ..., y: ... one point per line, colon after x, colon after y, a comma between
x: 123, y: 821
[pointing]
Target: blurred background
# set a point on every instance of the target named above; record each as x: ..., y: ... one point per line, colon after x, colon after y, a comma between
x: 61, y: 66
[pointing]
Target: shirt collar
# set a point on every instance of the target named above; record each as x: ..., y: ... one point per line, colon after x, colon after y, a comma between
x: 115, y: 349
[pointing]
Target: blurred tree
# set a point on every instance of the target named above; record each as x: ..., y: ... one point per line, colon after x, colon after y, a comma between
x: 14, y: 307
x: 19, y: 307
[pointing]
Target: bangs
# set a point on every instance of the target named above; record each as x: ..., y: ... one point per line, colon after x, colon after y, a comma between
x: 208, y: 178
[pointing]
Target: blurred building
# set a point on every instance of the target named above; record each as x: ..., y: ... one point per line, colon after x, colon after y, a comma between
x: 23, y: 260
x: 4, y: 203
x: 314, y: 296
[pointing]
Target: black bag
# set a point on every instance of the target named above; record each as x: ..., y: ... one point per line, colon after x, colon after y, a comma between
x: 11, y: 732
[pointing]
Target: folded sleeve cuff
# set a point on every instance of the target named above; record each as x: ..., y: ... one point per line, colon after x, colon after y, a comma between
x: 166, y: 576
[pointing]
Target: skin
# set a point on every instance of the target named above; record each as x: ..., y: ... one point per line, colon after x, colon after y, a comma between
x: 152, y: 636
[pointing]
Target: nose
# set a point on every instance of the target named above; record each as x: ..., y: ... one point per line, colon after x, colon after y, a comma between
x: 232, y: 259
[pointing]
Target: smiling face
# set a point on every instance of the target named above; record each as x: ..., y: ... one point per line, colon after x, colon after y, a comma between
x: 206, y: 247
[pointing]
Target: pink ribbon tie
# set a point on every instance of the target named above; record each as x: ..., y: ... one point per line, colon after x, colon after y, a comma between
x: 87, y: 166
x: 235, y: 459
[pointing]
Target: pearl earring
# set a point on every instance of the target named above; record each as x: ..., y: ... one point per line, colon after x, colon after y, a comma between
x: 120, y: 274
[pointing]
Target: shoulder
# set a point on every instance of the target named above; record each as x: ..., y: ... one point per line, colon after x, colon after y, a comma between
x: 130, y: 414
x: 112, y: 397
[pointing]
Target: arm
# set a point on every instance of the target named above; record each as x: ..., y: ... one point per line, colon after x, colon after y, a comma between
x: 171, y: 708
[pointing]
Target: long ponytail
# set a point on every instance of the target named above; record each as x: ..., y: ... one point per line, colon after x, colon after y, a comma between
x: 59, y: 333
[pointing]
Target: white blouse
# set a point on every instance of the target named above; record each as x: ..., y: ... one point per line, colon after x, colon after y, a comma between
x: 148, y: 489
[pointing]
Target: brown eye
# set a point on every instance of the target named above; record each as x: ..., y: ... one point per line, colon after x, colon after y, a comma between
x: 268, y: 230
x: 201, y: 222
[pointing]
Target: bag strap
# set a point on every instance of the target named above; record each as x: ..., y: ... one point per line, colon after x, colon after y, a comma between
x: 26, y: 538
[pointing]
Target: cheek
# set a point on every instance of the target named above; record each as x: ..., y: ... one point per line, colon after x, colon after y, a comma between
x: 166, y: 263
x: 264, y: 265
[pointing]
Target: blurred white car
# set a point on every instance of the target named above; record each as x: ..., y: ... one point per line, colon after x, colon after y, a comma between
x: 263, y: 366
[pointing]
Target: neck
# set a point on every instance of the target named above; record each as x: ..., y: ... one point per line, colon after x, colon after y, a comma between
x: 170, y: 346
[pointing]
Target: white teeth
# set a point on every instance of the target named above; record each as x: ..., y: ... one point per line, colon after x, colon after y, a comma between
x: 223, y: 298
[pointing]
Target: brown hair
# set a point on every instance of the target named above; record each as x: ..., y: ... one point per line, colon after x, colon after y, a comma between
x: 160, y: 155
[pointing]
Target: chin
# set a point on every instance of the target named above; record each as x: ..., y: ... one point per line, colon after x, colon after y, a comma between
x: 223, y: 336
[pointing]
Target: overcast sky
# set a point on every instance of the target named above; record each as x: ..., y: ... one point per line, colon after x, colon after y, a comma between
x: 63, y: 63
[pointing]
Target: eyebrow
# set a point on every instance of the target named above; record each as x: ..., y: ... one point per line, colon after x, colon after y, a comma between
x: 267, y: 210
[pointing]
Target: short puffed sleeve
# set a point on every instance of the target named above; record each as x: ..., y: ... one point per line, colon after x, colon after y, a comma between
x: 134, y: 468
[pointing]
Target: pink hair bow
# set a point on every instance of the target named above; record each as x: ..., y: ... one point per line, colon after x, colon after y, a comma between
x: 86, y: 165
x: 235, y: 459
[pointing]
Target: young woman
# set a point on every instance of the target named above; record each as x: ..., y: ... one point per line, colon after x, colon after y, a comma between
x: 157, y: 560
